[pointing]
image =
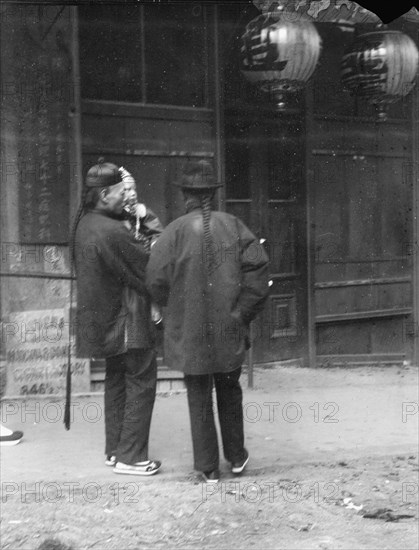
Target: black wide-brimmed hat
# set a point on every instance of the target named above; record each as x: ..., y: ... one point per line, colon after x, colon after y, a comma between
x: 103, y: 174
x: 198, y: 176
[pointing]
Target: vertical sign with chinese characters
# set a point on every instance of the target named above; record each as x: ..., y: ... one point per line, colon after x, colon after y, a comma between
x: 45, y: 96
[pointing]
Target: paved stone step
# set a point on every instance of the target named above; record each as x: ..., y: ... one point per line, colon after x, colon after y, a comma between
x: 163, y: 386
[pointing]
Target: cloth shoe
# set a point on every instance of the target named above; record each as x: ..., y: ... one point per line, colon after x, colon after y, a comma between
x: 211, y: 477
x: 110, y: 460
x: 147, y: 468
x: 238, y: 467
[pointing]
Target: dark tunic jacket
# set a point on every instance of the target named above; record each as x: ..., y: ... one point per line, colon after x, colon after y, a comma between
x: 107, y: 260
x: 207, y: 316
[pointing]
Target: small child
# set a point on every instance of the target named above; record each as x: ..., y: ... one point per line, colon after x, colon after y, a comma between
x: 144, y: 224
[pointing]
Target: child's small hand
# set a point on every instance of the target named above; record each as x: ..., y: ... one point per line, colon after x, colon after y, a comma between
x: 140, y: 210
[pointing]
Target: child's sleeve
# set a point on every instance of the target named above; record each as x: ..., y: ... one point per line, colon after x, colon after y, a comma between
x: 151, y: 226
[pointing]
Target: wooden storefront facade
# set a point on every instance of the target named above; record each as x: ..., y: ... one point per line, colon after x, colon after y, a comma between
x: 332, y: 192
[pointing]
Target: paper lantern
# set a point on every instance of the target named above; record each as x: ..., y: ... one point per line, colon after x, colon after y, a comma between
x: 279, y: 55
x: 381, y: 68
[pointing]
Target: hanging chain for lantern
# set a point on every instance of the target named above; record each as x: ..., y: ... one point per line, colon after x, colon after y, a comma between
x: 278, y: 54
x: 381, y: 68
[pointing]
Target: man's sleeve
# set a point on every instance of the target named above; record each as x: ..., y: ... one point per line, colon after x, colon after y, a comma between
x: 126, y: 258
x: 255, y: 275
x: 159, y: 269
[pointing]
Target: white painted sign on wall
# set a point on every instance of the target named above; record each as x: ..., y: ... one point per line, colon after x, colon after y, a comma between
x: 36, y: 349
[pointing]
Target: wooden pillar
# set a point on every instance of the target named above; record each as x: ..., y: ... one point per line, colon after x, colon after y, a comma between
x: 415, y: 248
x: 310, y: 358
x: 215, y: 66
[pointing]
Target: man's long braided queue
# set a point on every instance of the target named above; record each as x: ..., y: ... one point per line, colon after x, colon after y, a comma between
x: 209, y: 257
x: 209, y: 246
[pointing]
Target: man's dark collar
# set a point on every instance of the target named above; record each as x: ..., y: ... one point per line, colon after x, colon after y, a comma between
x: 107, y: 214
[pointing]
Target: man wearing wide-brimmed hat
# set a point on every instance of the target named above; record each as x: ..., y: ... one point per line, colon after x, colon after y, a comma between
x: 108, y: 260
x: 211, y: 272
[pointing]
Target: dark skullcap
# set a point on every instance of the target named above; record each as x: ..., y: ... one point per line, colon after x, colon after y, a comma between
x: 103, y: 174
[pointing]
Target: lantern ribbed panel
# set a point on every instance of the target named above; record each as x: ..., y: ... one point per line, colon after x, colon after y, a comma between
x: 380, y: 66
x: 280, y: 55
x: 403, y: 63
x: 395, y: 66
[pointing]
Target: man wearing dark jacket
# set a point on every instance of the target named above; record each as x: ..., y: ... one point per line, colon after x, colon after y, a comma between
x: 108, y: 260
x: 212, y: 274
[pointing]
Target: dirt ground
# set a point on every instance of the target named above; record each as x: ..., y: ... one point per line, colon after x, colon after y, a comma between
x: 297, y: 507
x: 348, y: 494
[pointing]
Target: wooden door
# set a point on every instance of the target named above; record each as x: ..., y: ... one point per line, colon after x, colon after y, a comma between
x: 265, y: 188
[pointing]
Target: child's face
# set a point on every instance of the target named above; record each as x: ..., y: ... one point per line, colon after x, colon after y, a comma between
x: 130, y: 192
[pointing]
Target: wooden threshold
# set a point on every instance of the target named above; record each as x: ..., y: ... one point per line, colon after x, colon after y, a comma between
x: 355, y: 360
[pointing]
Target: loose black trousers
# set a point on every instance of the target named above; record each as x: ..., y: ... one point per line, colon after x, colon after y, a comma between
x: 130, y: 392
x: 230, y: 412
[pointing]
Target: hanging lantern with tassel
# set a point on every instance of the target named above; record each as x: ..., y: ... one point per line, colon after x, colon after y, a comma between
x: 381, y: 68
x: 279, y: 55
